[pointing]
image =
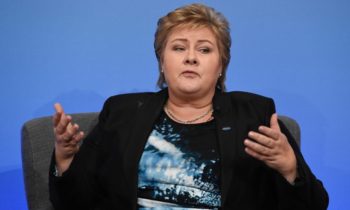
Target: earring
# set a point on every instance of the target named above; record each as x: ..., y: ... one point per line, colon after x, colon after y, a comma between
x: 220, y: 75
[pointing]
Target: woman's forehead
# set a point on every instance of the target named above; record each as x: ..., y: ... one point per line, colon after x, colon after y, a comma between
x: 198, y: 33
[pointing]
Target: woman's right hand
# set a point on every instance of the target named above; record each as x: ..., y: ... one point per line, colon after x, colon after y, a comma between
x: 67, y: 138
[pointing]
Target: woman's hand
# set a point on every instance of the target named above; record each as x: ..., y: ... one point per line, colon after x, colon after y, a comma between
x: 272, y: 147
x: 67, y: 138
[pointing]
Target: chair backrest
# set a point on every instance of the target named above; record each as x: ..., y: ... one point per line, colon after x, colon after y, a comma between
x: 37, y: 147
x: 292, y: 126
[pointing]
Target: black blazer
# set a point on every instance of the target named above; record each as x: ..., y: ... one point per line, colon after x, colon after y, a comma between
x: 104, y: 173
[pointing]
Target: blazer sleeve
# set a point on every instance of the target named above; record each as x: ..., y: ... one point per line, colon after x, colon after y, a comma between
x: 76, y: 188
x: 307, y: 192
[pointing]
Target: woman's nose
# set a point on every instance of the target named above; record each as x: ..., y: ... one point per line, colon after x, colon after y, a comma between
x: 191, y: 61
x: 191, y: 58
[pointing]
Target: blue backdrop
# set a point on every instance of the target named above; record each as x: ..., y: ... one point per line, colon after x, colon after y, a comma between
x: 80, y: 52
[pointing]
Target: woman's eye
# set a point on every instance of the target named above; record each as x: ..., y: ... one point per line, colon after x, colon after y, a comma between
x: 177, y: 48
x: 205, y: 50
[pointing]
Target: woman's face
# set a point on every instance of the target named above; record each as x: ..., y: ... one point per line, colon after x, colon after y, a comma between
x: 191, y: 61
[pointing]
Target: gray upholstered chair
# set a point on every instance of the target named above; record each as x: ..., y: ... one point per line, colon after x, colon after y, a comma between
x: 292, y: 126
x: 37, y: 146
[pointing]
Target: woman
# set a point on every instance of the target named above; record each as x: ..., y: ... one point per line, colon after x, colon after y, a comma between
x: 190, y: 146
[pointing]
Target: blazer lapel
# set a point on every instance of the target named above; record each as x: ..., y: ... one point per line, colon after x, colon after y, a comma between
x: 147, y: 114
x: 226, y: 133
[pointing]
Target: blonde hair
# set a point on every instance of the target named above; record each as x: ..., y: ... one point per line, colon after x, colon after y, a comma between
x: 194, y: 16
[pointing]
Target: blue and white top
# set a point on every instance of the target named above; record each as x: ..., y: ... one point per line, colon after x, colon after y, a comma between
x: 180, y: 167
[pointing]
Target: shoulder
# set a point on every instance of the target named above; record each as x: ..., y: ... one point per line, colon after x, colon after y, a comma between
x: 247, y: 97
x: 245, y: 105
x: 127, y: 101
x: 124, y: 108
x: 129, y: 97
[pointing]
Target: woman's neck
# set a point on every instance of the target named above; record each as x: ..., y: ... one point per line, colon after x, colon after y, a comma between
x: 189, y: 109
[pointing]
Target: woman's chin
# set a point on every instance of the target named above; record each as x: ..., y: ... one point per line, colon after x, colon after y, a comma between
x: 189, y: 89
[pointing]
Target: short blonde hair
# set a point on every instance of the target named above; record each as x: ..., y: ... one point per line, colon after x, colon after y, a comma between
x: 194, y: 16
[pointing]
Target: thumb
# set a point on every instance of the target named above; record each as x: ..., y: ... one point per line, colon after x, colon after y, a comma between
x: 274, y: 122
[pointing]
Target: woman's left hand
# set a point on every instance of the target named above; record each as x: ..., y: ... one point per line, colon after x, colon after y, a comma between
x: 272, y: 147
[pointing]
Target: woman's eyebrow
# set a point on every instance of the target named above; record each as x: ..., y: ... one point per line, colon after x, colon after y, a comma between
x: 179, y: 39
x: 186, y: 40
x: 205, y: 40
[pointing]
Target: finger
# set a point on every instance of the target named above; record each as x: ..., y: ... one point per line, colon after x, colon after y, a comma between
x: 78, y: 137
x: 262, y: 139
x: 274, y: 122
x: 74, y: 141
x: 71, y: 131
x: 258, y: 156
x: 258, y: 148
x: 58, y: 113
x: 254, y: 154
x: 269, y: 132
x: 71, y: 146
x: 56, y: 119
x: 63, y: 124
x: 58, y: 108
